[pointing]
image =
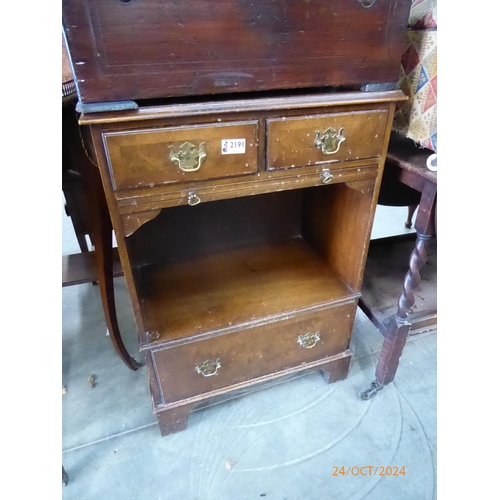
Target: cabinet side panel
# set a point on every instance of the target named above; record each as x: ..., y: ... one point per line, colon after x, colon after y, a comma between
x: 337, y: 223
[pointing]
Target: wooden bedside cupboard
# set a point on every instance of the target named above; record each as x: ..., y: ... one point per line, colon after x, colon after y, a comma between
x: 244, y: 262
x: 241, y: 148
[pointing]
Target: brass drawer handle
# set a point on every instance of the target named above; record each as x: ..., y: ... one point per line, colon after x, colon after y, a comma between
x: 188, y: 158
x: 329, y: 141
x: 327, y: 177
x: 208, y: 368
x: 308, y: 340
x: 193, y: 198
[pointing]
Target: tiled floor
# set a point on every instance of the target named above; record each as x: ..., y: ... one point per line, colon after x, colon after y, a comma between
x: 283, y: 442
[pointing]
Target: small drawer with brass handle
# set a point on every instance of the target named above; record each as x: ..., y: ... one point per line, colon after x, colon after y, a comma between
x: 146, y: 158
x: 315, y: 140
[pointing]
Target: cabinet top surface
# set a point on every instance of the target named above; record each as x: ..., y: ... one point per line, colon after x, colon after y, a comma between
x: 214, y: 107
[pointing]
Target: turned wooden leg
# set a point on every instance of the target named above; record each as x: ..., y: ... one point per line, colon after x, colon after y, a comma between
x: 174, y: 419
x: 411, y: 211
x: 397, y: 331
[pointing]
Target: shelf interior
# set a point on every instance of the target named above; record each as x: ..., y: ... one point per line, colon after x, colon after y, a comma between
x: 231, y: 264
x: 239, y: 287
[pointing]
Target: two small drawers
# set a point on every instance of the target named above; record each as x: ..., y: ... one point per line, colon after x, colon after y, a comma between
x: 163, y: 156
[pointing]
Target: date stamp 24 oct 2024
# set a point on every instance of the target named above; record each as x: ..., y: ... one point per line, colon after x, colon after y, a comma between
x: 369, y: 470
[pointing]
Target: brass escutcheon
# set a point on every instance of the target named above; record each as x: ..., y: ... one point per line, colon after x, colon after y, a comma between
x: 208, y: 368
x: 329, y: 142
x: 308, y: 340
x: 188, y: 158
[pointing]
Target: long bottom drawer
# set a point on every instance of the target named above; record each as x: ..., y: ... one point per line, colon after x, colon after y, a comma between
x: 201, y: 367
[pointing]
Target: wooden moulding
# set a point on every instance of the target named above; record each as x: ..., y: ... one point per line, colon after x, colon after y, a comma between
x: 265, y: 182
x: 296, y: 104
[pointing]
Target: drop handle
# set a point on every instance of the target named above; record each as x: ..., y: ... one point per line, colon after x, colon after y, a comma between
x: 330, y: 140
x: 209, y: 368
x: 308, y: 340
x: 327, y: 177
x: 188, y: 157
x: 193, y: 199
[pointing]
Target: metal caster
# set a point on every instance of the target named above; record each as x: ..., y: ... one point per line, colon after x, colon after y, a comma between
x: 371, y: 391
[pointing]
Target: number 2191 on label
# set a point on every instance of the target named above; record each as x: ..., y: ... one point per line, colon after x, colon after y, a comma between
x: 233, y: 146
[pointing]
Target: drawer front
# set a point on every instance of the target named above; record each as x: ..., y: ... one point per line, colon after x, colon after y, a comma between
x: 154, y: 157
x: 207, y: 365
x: 313, y: 140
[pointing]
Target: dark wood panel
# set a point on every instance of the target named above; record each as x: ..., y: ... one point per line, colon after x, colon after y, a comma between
x: 158, y: 48
x: 189, y: 232
x: 274, y: 347
x: 81, y: 268
x: 403, y: 153
x: 386, y: 267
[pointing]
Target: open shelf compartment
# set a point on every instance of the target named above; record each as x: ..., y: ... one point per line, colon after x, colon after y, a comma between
x: 228, y: 265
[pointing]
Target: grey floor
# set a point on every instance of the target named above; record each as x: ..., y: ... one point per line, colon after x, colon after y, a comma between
x: 285, y: 442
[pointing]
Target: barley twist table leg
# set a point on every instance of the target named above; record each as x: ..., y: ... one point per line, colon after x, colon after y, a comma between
x: 397, y: 331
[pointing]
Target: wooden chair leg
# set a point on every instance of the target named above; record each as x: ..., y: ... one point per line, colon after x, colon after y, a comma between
x: 411, y: 211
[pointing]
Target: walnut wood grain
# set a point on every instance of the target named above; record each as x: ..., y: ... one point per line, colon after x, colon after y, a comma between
x: 291, y: 139
x: 275, y: 348
x: 230, y: 290
x: 185, y: 232
x: 140, y: 158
